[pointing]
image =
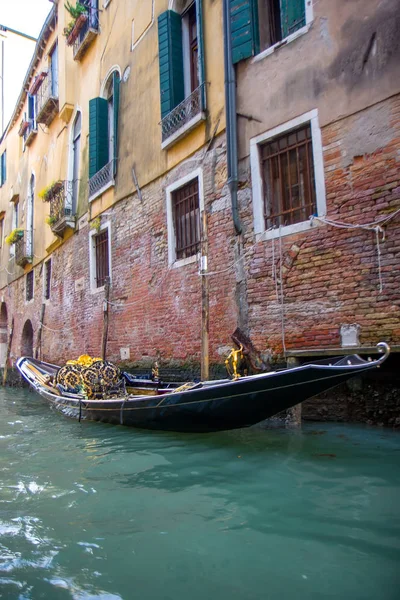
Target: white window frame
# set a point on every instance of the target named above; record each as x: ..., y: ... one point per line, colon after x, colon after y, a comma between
x: 172, y: 261
x: 257, y: 179
x: 47, y: 300
x: 293, y: 36
x: 92, y: 256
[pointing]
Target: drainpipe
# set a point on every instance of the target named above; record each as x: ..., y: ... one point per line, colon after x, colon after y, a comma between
x: 231, y: 127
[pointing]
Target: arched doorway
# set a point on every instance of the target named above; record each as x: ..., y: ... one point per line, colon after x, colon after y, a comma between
x: 27, y: 339
x: 3, y: 334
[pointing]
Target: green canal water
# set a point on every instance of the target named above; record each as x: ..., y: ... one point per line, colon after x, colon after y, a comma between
x: 90, y: 511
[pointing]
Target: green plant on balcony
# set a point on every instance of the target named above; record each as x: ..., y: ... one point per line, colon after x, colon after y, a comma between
x: 50, y: 220
x: 48, y: 193
x: 14, y: 236
x: 79, y: 15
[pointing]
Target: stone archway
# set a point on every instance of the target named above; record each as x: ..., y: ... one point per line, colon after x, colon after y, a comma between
x: 27, y: 339
x: 3, y: 334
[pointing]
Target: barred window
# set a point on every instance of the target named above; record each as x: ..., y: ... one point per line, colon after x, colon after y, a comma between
x: 47, y: 279
x: 186, y: 215
x: 101, y: 257
x: 29, y: 286
x: 288, y: 177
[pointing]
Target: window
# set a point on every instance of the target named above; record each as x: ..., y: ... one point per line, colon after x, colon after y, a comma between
x: 3, y: 168
x: 100, y: 257
x: 47, y: 280
x: 103, y: 137
x: 76, y: 153
x: 181, y: 69
x: 287, y: 176
x: 259, y: 24
x: 1, y: 229
x: 184, y: 205
x: 53, y: 71
x: 15, y: 221
x: 30, y: 216
x: 29, y: 286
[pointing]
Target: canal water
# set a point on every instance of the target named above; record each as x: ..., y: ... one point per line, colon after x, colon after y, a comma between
x: 91, y: 511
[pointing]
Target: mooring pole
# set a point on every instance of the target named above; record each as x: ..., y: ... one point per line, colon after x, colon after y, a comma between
x: 39, y: 335
x: 204, y: 299
x: 8, y: 352
x: 105, y: 318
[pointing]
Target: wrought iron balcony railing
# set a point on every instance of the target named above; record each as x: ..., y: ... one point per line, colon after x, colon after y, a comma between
x: 47, y: 100
x: 184, y: 113
x: 62, y: 206
x: 24, y: 249
x: 30, y: 132
x: 102, y: 179
x: 88, y: 31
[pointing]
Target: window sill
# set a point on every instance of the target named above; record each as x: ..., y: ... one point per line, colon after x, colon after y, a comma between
x: 98, y: 290
x: 285, y: 42
x: 185, y: 261
x: 101, y: 191
x: 272, y: 234
x: 172, y: 139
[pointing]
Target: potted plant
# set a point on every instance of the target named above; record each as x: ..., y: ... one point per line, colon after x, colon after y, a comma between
x: 79, y: 16
x: 48, y: 193
x: 50, y: 220
x: 14, y: 236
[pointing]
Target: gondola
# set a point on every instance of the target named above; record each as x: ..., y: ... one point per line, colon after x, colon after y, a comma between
x: 203, y: 406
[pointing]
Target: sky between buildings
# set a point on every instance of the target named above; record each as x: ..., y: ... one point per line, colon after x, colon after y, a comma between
x: 28, y: 17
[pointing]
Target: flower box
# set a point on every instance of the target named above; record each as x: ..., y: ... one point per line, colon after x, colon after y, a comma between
x: 37, y: 82
x: 23, y: 127
x: 80, y: 21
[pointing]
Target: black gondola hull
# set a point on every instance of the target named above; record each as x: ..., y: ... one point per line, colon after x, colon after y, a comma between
x: 211, y: 406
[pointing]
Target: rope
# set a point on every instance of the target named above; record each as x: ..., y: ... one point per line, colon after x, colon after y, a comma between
x: 282, y: 297
x: 376, y: 226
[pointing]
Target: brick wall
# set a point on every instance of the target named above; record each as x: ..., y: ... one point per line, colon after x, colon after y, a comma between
x: 329, y: 276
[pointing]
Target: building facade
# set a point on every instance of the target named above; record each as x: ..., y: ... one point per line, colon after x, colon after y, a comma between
x: 222, y: 164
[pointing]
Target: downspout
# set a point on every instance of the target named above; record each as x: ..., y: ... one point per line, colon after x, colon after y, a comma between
x: 231, y: 126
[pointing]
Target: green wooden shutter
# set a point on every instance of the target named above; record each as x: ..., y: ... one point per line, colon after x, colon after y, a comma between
x: 98, y: 135
x: 3, y: 168
x: 293, y: 16
x: 170, y: 56
x: 244, y: 29
x: 116, y: 82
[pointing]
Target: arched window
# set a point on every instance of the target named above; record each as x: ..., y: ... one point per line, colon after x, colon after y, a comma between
x: 103, y: 135
x: 76, y: 153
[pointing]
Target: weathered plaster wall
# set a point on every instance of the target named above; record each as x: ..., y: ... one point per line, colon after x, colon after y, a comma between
x: 348, y: 60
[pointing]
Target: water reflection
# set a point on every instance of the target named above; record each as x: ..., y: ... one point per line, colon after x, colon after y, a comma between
x: 95, y: 511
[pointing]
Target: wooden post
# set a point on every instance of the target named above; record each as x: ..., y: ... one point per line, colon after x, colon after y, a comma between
x: 204, y: 299
x: 39, y: 335
x: 293, y: 415
x: 105, y: 318
x: 8, y: 352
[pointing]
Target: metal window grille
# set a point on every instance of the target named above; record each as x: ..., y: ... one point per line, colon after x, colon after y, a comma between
x: 29, y: 286
x: 47, y: 280
x: 101, y: 250
x: 186, y: 211
x: 288, y: 177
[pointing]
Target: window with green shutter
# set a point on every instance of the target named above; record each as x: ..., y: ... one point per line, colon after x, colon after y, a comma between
x: 98, y: 135
x: 170, y: 53
x: 116, y: 82
x: 182, y: 72
x: 259, y: 24
x: 3, y: 168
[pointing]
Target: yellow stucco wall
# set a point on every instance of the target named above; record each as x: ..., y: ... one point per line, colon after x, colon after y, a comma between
x: 139, y: 129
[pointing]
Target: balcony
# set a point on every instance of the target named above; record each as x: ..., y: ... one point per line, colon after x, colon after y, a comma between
x: 102, y: 180
x: 183, y: 117
x: 30, y: 132
x: 47, y: 100
x: 87, y: 32
x: 24, y: 249
x: 62, y: 207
